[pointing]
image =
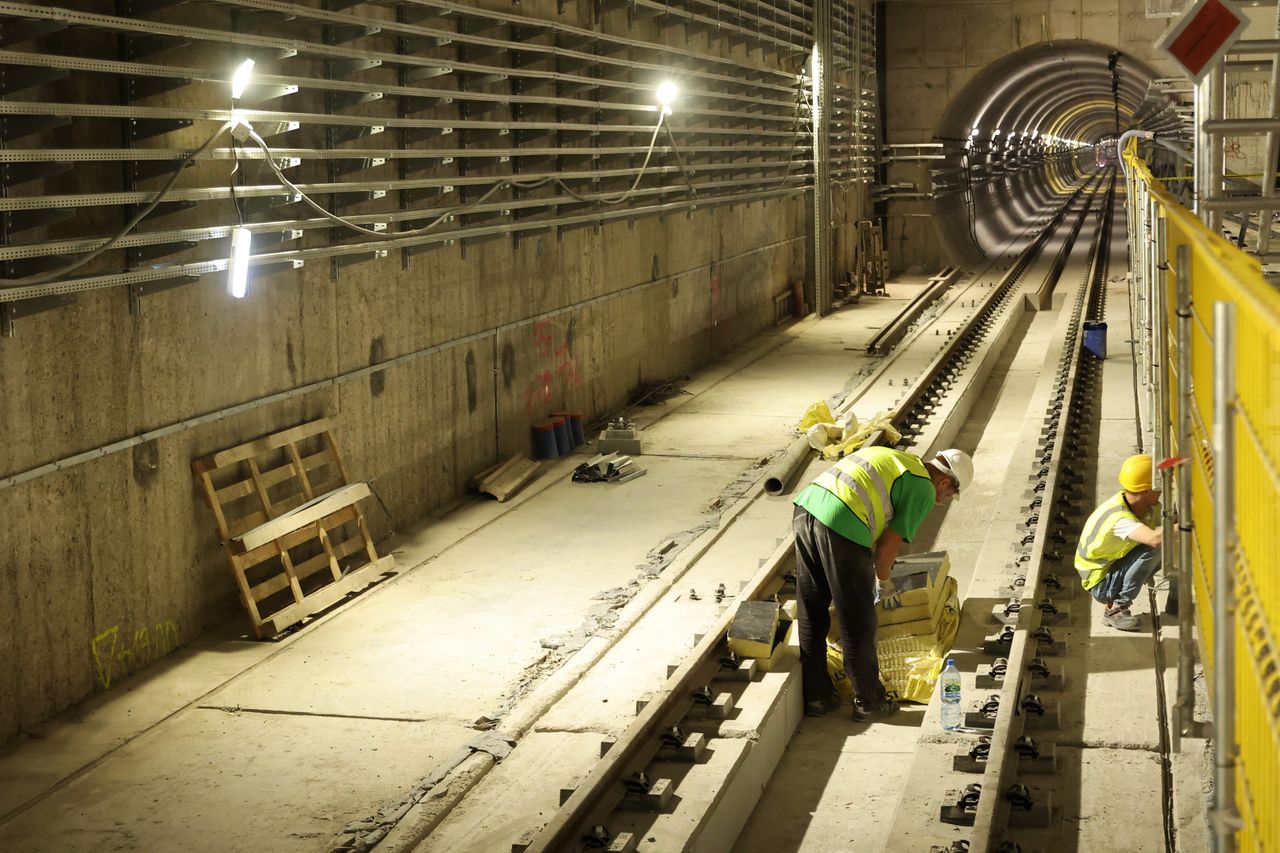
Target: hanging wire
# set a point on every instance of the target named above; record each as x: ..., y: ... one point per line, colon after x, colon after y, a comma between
x: 62, y: 271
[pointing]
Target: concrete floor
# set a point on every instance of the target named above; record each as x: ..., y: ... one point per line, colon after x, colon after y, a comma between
x: 230, y: 744
x: 237, y: 745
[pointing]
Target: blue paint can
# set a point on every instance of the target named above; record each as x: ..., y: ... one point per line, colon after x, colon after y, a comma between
x: 561, y: 430
x: 1095, y: 339
x: 544, y: 441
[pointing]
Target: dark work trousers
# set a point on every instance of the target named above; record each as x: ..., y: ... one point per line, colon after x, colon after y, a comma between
x: 831, y: 568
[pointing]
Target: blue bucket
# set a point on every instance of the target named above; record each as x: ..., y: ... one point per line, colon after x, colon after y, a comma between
x: 1095, y: 339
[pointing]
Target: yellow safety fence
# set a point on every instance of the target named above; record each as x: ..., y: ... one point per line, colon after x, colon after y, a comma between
x: 1220, y: 272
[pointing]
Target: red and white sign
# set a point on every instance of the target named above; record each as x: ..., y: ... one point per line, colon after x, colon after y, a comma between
x: 1202, y: 35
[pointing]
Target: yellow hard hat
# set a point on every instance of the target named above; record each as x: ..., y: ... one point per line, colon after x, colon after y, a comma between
x: 1135, y: 473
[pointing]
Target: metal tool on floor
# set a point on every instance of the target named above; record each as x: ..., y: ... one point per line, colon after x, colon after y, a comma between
x: 608, y: 468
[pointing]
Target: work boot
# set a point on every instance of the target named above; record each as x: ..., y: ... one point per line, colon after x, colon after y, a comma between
x: 865, y: 712
x: 1121, y: 619
x: 821, y: 707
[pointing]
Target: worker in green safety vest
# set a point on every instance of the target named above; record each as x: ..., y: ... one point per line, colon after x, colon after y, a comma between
x: 849, y: 524
x: 1119, y: 547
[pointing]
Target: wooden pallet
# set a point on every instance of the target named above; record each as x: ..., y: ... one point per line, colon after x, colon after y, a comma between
x: 289, y: 523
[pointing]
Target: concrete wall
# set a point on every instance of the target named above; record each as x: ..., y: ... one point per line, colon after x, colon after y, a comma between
x: 107, y: 566
x: 927, y: 67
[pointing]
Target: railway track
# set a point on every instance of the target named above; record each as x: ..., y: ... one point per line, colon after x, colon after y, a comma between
x: 658, y: 765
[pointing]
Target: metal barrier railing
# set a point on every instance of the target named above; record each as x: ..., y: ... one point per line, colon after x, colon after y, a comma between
x: 1210, y: 338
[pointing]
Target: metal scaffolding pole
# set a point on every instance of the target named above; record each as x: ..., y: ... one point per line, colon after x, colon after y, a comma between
x: 1225, y: 818
x: 823, y: 63
x: 1184, y: 708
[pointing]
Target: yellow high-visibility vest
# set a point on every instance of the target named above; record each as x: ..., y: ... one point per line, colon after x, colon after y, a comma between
x: 862, y: 481
x: 1099, y: 545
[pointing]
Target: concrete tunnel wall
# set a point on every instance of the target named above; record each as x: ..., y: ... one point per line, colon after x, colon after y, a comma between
x: 928, y: 69
x: 110, y: 565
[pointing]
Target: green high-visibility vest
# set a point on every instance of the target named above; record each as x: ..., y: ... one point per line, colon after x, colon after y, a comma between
x: 863, y: 480
x: 1099, y: 545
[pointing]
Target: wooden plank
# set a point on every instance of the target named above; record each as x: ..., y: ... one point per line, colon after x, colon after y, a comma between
x: 271, y: 586
x: 337, y: 457
x: 267, y: 443
x: 506, y: 483
x: 343, y: 549
x: 308, y: 513
x: 300, y: 471
x: 243, y: 488
x: 343, y: 516
x: 242, y: 583
x: 239, y: 525
x: 322, y: 598
x: 210, y: 497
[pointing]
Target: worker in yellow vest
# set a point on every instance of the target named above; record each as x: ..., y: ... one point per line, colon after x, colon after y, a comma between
x: 1119, y: 548
x: 849, y: 524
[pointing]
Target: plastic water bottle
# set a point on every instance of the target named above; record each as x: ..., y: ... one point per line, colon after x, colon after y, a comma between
x: 952, y: 716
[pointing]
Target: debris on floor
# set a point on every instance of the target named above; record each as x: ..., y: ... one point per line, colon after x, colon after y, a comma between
x: 504, y: 480
x: 281, y: 496
x: 608, y: 468
x: 619, y: 436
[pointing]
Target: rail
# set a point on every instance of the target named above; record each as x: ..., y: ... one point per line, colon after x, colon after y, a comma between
x: 606, y: 785
x: 1191, y: 280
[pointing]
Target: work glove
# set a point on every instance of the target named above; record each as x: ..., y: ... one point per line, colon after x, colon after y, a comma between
x: 888, y: 594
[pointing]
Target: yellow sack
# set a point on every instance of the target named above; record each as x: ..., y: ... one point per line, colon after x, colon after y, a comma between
x: 909, y: 665
x: 852, y: 442
x: 840, y: 680
x: 818, y: 413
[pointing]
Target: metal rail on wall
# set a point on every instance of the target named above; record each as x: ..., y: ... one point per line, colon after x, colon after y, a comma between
x: 391, y: 114
x: 1216, y: 395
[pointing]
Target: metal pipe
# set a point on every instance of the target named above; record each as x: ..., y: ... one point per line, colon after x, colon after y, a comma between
x: 821, y: 112
x: 1224, y: 634
x: 780, y: 475
x: 1184, y: 708
x: 1217, y: 86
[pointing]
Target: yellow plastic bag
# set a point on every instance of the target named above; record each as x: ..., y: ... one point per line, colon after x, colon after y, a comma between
x: 818, y: 413
x: 909, y: 665
x: 850, y: 443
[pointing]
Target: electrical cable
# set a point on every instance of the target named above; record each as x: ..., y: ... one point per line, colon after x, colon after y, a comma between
x: 501, y: 185
x: 242, y: 130
x: 60, y: 272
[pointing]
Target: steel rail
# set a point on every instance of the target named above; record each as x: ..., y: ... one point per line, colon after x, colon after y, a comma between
x: 601, y: 790
x: 72, y: 202
x: 992, y: 814
x: 374, y: 124
x: 295, y: 47
x: 588, y: 35
x: 564, y: 830
x: 578, y: 32
x: 118, y: 155
x: 299, y: 83
x: 25, y: 251
x: 153, y: 274
x: 889, y: 336
x: 453, y: 36
x: 73, y: 110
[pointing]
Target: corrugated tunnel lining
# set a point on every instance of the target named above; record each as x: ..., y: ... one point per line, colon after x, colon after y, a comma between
x: 1060, y: 90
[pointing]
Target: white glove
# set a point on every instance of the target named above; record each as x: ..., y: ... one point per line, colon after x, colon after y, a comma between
x: 888, y: 594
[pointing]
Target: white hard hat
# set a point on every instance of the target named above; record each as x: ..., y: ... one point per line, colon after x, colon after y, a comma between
x: 957, y: 464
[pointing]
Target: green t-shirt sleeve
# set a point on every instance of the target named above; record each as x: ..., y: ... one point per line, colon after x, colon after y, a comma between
x: 912, y: 496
